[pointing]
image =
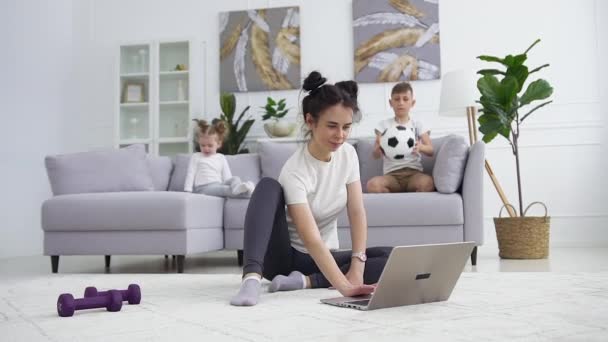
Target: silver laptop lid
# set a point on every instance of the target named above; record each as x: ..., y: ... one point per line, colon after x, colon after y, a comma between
x: 420, y: 274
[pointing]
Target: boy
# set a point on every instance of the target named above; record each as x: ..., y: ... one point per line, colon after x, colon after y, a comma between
x: 404, y: 175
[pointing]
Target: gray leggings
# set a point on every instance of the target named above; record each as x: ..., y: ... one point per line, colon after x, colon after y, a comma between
x: 221, y: 189
x: 267, y: 247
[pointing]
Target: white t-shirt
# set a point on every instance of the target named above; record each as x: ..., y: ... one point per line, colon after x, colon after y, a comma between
x: 412, y: 160
x: 206, y: 169
x: 323, y: 186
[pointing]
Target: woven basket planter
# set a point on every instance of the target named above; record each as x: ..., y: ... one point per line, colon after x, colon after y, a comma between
x: 524, y: 237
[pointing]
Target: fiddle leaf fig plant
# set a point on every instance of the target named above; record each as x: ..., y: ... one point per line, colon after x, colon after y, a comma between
x: 505, y: 103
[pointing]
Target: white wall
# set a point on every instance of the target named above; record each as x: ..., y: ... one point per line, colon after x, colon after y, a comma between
x: 560, y: 144
x: 36, y: 87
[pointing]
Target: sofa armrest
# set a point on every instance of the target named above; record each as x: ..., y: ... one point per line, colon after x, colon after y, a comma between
x: 472, y: 193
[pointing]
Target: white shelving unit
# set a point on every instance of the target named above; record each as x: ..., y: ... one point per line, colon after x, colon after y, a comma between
x: 153, y: 105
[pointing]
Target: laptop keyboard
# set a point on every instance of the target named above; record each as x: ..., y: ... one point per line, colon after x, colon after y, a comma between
x: 359, y: 302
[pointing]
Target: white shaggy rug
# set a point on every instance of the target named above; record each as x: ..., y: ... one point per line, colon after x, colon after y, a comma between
x: 186, y: 307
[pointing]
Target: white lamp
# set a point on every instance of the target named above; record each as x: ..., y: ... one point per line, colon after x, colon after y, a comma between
x: 458, y: 95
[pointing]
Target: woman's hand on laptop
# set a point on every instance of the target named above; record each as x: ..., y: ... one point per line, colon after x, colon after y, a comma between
x: 357, y: 290
x: 355, y: 274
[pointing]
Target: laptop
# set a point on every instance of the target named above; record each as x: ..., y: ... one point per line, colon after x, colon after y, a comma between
x: 414, y: 275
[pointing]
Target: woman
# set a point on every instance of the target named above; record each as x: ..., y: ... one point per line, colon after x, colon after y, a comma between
x: 318, y: 181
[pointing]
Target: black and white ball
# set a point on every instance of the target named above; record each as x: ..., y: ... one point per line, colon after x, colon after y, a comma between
x: 397, y: 142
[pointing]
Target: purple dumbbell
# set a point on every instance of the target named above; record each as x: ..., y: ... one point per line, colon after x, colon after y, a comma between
x: 132, y: 294
x: 66, y: 304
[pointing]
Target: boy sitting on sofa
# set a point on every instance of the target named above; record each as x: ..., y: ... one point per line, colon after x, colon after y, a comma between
x: 403, y: 175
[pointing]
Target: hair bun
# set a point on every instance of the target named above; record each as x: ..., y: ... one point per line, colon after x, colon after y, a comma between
x: 313, y: 81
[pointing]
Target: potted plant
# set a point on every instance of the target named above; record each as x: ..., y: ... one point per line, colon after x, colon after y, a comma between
x: 503, y: 102
x: 237, y: 130
x: 276, y: 111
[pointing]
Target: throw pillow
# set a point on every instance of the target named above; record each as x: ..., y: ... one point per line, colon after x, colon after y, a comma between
x: 449, y: 166
x: 122, y: 169
x: 368, y: 166
x: 160, y: 171
x: 180, y: 169
x: 274, y: 155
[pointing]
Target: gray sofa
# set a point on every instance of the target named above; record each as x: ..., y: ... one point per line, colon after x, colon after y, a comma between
x: 135, y: 203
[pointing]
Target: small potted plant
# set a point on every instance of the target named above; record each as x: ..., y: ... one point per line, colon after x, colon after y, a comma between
x: 276, y: 111
x: 502, y: 111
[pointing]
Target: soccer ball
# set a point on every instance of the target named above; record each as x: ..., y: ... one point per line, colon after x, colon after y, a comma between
x: 397, y: 142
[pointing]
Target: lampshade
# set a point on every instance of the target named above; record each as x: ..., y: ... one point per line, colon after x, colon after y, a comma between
x: 458, y: 91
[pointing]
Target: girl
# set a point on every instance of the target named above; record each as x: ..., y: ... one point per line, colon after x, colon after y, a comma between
x: 299, y: 250
x: 208, y: 171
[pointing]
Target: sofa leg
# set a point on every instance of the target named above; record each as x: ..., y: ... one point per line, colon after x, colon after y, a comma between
x: 108, y: 257
x: 54, y: 263
x: 239, y: 257
x: 474, y: 256
x: 180, y: 263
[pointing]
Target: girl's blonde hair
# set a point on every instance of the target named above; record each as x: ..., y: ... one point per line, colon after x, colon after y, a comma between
x: 217, y: 127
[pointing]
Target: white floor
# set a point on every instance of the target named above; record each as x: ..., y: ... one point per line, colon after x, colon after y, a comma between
x: 563, y: 298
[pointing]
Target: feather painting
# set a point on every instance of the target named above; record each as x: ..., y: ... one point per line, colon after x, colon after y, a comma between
x: 260, y: 49
x: 396, y: 40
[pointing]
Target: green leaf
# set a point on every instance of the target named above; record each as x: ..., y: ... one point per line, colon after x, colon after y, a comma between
x: 491, y: 59
x: 484, y: 72
x: 519, y: 59
x: 242, y: 133
x: 537, y: 90
x: 520, y: 73
x: 228, y: 104
x: 489, y: 86
x: 539, y: 68
x: 531, y: 46
x: 271, y: 101
x: 236, y: 124
x: 502, y: 92
x: 489, y: 137
x: 508, y: 91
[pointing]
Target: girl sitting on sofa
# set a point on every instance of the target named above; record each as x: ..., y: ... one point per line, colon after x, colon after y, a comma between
x: 208, y: 170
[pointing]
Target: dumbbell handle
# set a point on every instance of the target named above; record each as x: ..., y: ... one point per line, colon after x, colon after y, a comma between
x: 123, y: 293
x: 91, y: 302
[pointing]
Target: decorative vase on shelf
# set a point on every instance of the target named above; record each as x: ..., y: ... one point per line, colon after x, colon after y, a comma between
x: 280, y: 128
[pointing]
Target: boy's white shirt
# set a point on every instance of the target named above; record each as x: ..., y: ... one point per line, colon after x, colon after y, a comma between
x: 206, y: 169
x: 413, y: 161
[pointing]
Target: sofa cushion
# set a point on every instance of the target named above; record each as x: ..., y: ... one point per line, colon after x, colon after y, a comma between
x: 273, y: 156
x: 245, y: 166
x: 152, y: 210
x: 449, y: 164
x: 122, y: 169
x: 410, y: 209
x: 180, y: 169
x: 368, y: 166
x: 160, y: 171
